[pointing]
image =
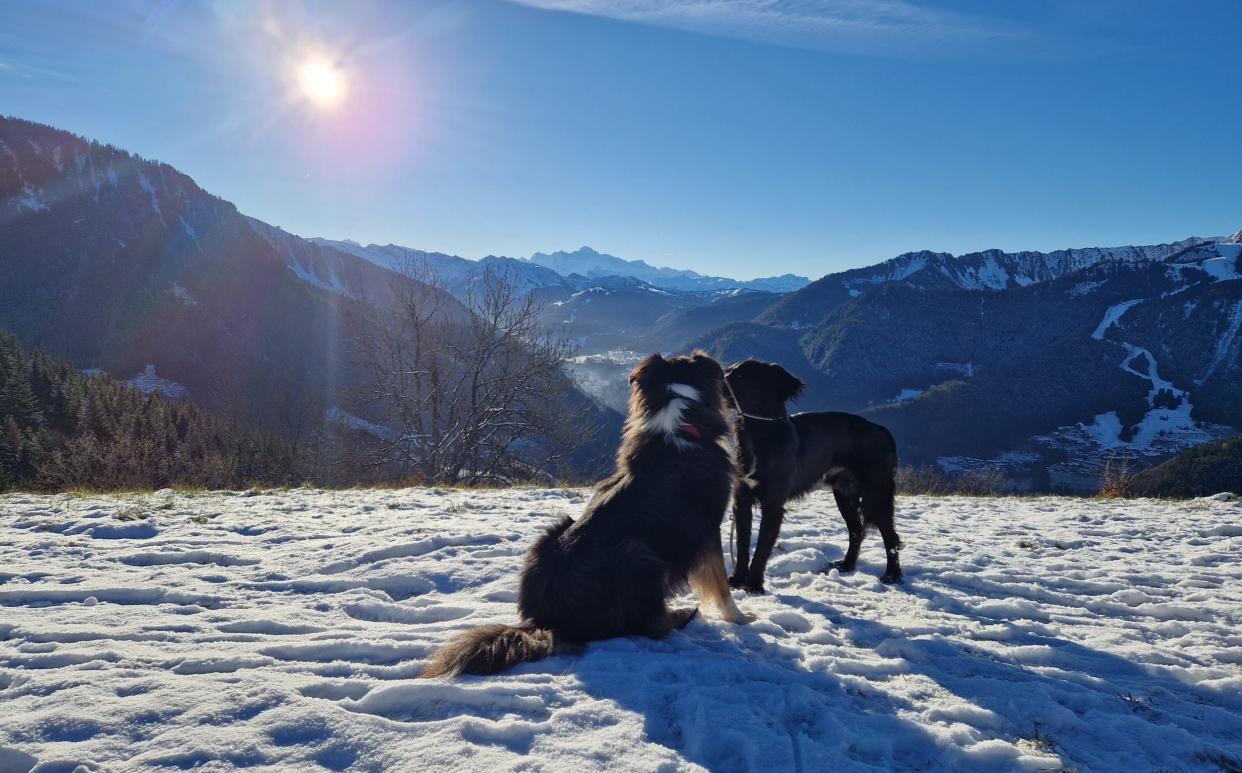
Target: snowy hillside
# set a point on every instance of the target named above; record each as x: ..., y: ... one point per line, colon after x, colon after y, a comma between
x: 286, y: 629
x: 997, y: 270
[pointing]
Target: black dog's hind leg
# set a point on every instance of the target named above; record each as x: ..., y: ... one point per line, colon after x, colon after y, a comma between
x: 848, y: 504
x: 772, y: 513
x: 878, y: 510
x: 743, y: 515
x: 892, y: 546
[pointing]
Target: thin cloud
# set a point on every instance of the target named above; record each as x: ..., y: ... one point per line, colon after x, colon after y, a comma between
x: 880, y: 27
x: 31, y: 72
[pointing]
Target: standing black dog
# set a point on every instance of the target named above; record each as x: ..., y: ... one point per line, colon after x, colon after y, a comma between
x: 649, y: 530
x: 784, y: 457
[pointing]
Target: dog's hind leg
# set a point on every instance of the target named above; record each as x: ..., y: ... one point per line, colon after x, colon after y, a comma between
x: 626, y: 595
x: 671, y: 620
x: 708, y: 581
x: 772, y: 515
x: 847, y: 503
x: 743, y: 515
x: 878, y: 510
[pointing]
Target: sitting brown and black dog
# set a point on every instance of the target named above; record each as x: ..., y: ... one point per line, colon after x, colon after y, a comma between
x: 783, y: 457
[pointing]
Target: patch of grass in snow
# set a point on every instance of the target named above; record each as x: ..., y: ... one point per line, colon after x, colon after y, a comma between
x: 1040, y: 742
x: 416, y: 482
x: 1139, y: 704
x: 79, y: 492
x: 1033, y: 545
x: 134, y: 512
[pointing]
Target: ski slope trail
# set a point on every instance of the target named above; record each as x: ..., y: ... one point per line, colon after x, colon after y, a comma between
x: 1165, y: 428
x: 285, y: 630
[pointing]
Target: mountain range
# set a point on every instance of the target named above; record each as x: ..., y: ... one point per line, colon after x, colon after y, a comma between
x: 587, y: 262
x: 578, y: 270
x: 1044, y: 366
x: 598, y: 311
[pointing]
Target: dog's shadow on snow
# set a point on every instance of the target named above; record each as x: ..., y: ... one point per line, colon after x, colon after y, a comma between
x: 1040, y: 684
x: 730, y: 698
x: 750, y: 697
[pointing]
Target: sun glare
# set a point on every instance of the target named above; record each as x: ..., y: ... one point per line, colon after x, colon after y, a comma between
x: 321, y: 83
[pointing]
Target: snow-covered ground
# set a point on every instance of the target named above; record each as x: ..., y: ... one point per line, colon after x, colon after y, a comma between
x: 285, y: 629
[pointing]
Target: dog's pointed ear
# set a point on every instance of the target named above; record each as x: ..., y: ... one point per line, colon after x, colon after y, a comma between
x: 648, y: 368
x: 793, y: 386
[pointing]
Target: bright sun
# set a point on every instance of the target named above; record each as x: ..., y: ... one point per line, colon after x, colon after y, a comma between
x: 321, y: 83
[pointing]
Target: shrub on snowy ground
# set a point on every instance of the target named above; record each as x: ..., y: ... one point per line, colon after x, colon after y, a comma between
x: 1117, y: 477
x: 930, y: 480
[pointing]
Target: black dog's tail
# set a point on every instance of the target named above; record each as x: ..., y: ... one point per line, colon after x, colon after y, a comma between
x: 489, y: 649
x: 878, y: 502
x: 879, y: 492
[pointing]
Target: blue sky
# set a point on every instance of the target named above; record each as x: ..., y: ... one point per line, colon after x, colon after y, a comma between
x: 735, y: 137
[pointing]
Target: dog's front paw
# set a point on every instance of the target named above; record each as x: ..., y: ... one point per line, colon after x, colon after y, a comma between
x: 753, y: 587
x: 737, y: 580
x: 891, y: 578
x: 841, y: 565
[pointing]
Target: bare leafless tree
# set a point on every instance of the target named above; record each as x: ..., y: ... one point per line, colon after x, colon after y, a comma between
x: 471, y: 389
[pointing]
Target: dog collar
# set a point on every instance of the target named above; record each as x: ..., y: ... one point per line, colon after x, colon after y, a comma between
x: 739, y: 414
x: 737, y: 417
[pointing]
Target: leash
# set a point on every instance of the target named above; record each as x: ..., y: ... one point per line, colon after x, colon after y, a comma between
x: 732, y: 555
x: 737, y: 407
x: 738, y: 415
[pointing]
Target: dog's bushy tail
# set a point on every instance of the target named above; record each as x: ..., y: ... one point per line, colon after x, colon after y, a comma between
x: 489, y: 649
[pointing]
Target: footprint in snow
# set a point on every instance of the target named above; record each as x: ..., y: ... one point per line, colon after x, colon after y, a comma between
x: 791, y: 621
x: 186, y: 557
x: 133, y: 530
x: 382, y: 612
x: 336, y: 691
x: 496, y: 552
x: 429, y: 701
x: 502, y: 596
x: 409, y: 550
